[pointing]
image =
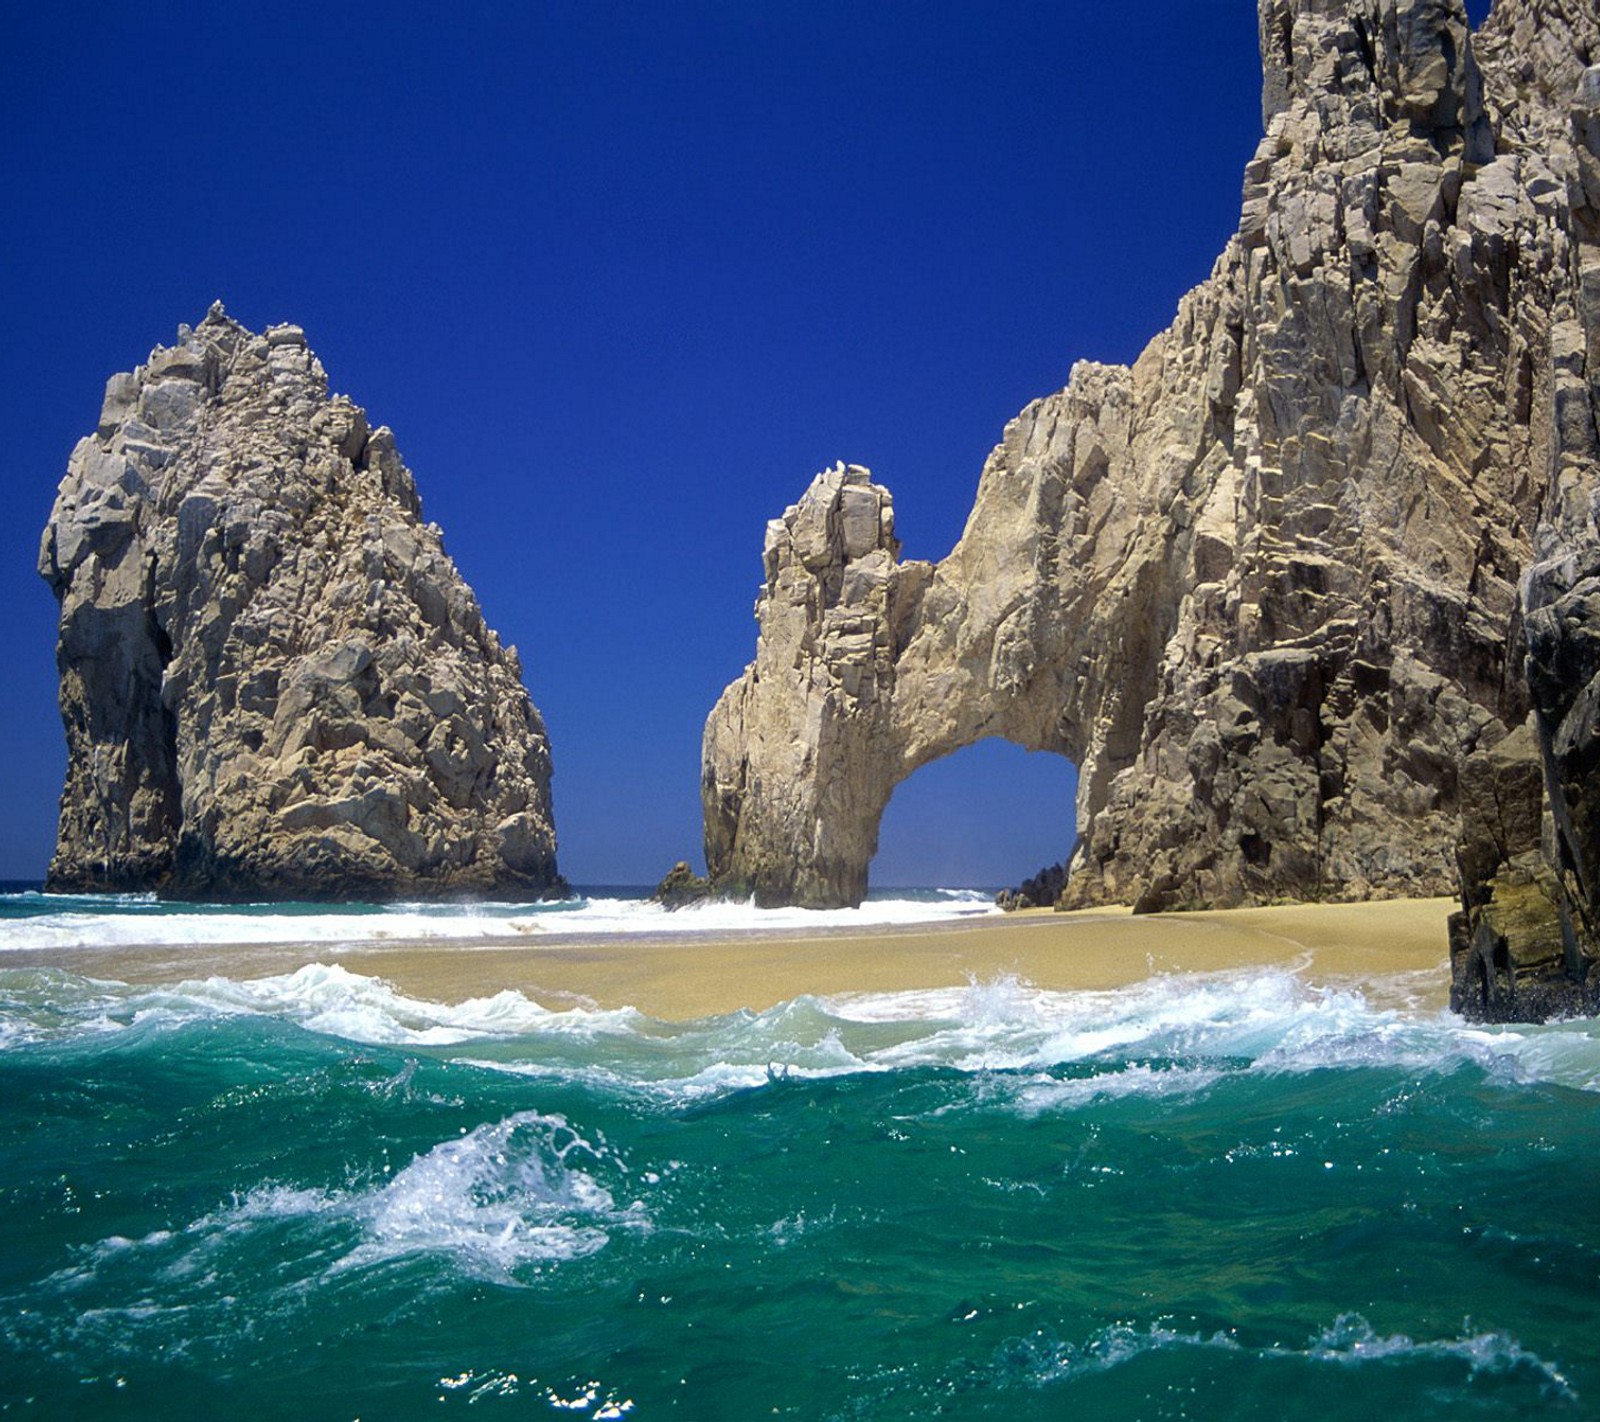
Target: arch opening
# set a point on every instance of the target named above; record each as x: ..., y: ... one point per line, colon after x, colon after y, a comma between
x: 986, y: 816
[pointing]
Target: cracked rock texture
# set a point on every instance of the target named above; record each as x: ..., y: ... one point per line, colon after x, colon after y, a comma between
x: 274, y: 682
x: 1528, y: 937
x: 1262, y: 587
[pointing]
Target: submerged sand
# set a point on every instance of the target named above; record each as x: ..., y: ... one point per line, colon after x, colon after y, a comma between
x: 1395, y: 951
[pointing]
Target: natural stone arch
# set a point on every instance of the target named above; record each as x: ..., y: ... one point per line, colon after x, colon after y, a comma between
x: 868, y: 669
x: 1262, y: 585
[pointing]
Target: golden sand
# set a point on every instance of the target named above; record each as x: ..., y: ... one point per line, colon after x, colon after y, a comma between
x: 1393, y: 949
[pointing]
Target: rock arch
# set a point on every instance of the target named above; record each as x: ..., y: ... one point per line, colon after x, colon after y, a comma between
x: 1261, y: 586
x: 867, y: 669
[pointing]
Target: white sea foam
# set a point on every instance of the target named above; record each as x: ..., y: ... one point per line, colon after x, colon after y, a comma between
x: 1166, y: 1036
x: 1042, y: 1359
x: 37, y: 921
x: 330, y: 999
x: 590, y: 1399
x: 497, y: 1200
x: 1266, y: 1021
x: 503, y: 1203
x: 46, y: 1005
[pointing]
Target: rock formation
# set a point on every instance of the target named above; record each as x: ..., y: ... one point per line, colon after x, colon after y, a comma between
x: 1262, y: 586
x: 1041, y: 891
x: 275, y: 684
x: 1528, y: 936
x: 681, y: 887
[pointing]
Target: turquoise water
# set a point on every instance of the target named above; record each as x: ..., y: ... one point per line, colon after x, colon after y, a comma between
x: 1219, y: 1197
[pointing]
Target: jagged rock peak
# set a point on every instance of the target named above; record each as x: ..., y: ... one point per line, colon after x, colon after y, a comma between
x: 275, y: 684
x: 1263, y: 585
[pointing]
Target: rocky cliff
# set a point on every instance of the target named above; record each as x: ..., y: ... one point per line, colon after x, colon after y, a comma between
x: 1528, y: 937
x: 274, y: 682
x: 1262, y: 587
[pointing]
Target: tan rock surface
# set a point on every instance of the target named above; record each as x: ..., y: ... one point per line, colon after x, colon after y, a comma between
x: 1262, y: 586
x: 275, y: 684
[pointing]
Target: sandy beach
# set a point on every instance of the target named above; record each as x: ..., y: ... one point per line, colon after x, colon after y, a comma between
x: 1391, y: 950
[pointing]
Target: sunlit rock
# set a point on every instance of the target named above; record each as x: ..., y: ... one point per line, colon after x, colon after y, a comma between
x: 274, y: 682
x: 1262, y: 586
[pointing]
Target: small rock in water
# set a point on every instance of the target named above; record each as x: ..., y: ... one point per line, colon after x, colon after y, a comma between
x: 681, y: 886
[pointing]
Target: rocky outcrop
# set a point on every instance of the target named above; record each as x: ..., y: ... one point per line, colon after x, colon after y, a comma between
x: 1510, y: 956
x: 682, y: 887
x: 275, y: 684
x: 1041, y: 891
x: 1262, y: 586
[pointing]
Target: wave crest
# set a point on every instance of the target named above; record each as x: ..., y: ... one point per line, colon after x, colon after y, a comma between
x: 1042, y: 1359
x: 1165, y: 1036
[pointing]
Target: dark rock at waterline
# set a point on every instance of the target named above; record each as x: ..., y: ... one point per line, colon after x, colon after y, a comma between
x: 1041, y: 891
x: 681, y: 887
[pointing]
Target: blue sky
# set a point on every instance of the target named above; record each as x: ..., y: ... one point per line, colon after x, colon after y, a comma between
x: 622, y: 278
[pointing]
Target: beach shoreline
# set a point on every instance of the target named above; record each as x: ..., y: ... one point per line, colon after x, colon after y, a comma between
x: 1395, y: 950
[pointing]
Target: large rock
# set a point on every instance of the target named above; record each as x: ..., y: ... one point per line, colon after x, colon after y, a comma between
x: 1262, y: 586
x: 1528, y: 937
x: 275, y: 684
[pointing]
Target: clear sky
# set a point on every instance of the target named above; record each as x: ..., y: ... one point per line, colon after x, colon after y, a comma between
x: 622, y: 278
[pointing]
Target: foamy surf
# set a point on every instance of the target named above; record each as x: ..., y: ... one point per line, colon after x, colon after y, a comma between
x: 45, y: 921
x: 1166, y: 1035
x: 1194, y: 1196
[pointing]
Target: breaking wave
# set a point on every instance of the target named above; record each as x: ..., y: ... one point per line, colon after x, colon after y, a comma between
x: 501, y: 1203
x: 1059, y: 1050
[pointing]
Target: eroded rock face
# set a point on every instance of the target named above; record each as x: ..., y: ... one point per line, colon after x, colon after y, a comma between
x: 1528, y: 937
x: 275, y: 684
x: 1262, y: 587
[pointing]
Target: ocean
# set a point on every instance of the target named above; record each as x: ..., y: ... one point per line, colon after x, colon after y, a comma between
x: 1236, y: 1195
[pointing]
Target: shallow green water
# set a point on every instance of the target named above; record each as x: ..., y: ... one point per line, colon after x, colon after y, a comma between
x: 1227, y: 1197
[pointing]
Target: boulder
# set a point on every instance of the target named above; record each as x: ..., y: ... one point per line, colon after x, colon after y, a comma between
x: 1041, y: 891
x: 681, y: 887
